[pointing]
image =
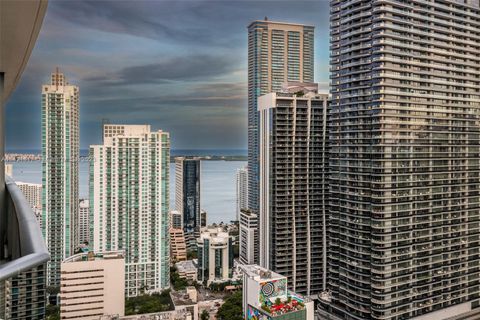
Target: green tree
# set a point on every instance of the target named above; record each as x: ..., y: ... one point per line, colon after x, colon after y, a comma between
x: 52, y: 312
x: 178, y: 283
x: 205, y: 315
x: 232, y: 308
x: 156, y: 302
x: 192, y: 254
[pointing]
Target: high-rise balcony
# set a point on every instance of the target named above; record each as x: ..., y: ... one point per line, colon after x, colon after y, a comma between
x: 23, y: 247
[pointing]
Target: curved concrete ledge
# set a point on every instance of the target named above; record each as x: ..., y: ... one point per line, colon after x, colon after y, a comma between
x: 20, y: 23
x: 25, y: 245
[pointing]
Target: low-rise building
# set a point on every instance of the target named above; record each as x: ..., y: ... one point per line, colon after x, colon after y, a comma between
x: 92, y: 285
x: 178, y: 247
x: 215, y: 255
x: 186, y: 301
x: 266, y: 296
x: 187, y: 270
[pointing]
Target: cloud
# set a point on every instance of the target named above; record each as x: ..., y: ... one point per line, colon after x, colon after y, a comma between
x: 186, y: 68
x: 180, y: 66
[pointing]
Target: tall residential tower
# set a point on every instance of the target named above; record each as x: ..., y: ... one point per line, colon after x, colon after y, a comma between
x: 293, y: 184
x: 129, y: 183
x: 242, y: 190
x: 405, y: 159
x: 187, y: 192
x: 277, y: 52
x: 60, y: 153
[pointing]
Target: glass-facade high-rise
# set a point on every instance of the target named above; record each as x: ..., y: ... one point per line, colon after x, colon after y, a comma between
x: 187, y: 192
x: 129, y: 180
x: 405, y: 159
x: 278, y: 52
x: 60, y: 155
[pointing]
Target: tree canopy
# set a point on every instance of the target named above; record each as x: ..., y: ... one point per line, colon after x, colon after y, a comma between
x: 232, y: 308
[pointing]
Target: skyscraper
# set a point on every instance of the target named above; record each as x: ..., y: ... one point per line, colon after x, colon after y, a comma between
x: 187, y: 191
x: 84, y: 224
x: 248, y: 237
x: 60, y: 154
x: 129, y: 183
x: 277, y: 52
x: 242, y: 190
x: 405, y: 142
x: 293, y: 185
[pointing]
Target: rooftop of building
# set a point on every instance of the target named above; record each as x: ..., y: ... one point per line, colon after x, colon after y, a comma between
x: 186, y: 266
x: 183, y: 298
x: 259, y: 274
x: 267, y: 21
x: 93, y: 256
x: 214, y: 234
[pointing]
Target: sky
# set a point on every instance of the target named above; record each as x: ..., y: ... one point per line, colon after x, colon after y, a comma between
x: 180, y: 66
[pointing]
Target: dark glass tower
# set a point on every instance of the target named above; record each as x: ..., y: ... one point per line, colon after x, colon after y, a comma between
x: 187, y: 192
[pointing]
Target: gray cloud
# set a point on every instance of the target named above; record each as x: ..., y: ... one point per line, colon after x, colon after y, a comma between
x: 186, y: 68
x: 177, y: 65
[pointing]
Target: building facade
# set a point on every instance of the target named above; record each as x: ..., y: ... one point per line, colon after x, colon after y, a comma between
x: 241, y: 190
x: 266, y: 296
x: 176, y: 219
x: 129, y: 200
x: 178, y: 247
x: 93, y: 285
x: 215, y: 255
x: 405, y: 159
x: 9, y: 169
x: 248, y: 233
x: 25, y: 295
x: 293, y: 183
x: 187, y: 191
x: 60, y: 155
x: 33, y: 195
x: 277, y: 52
x: 83, y: 222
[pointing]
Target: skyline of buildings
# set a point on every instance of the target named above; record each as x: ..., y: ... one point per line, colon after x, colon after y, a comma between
x: 60, y: 154
x: 368, y: 201
x: 130, y: 203
x: 278, y: 52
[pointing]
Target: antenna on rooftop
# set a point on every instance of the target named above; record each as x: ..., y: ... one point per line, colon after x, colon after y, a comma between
x: 266, y: 18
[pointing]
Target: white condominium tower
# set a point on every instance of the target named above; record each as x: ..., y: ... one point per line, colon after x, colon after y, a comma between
x: 60, y: 153
x: 84, y: 225
x: 405, y: 159
x: 277, y: 52
x: 242, y: 190
x: 33, y: 194
x: 293, y: 184
x: 129, y: 183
